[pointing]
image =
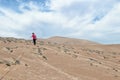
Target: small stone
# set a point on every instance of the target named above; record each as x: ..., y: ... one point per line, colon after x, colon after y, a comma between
x: 17, y: 62
x: 44, y: 57
x: 26, y: 65
x: 8, y: 64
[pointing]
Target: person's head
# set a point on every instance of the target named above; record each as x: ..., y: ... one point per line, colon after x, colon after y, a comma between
x: 32, y: 33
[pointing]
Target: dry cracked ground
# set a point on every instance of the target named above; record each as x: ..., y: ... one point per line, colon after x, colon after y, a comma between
x: 58, y: 58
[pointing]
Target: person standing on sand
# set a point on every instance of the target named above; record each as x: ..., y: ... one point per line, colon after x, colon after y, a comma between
x: 34, y: 37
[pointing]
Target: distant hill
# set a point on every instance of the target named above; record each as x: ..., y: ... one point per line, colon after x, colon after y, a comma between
x: 70, y: 41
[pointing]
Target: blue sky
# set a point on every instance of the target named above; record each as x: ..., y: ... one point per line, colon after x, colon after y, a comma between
x: 94, y: 20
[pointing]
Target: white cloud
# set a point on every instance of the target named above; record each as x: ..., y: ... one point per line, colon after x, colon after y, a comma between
x: 77, y: 18
x: 13, y: 20
x: 106, y: 26
x: 111, y: 20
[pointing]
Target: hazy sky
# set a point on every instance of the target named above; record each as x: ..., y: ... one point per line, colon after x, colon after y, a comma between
x: 96, y: 20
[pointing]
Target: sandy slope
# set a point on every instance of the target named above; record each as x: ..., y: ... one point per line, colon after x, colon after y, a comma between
x: 58, y: 58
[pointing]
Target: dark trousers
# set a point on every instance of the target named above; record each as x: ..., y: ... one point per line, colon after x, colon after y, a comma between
x: 34, y: 41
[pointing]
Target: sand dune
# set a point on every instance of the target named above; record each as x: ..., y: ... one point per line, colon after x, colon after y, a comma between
x: 58, y: 58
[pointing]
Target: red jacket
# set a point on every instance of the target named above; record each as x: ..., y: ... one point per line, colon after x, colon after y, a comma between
x: 34, y: 36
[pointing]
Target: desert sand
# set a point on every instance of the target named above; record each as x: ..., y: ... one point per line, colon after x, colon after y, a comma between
x: 58, y: 58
